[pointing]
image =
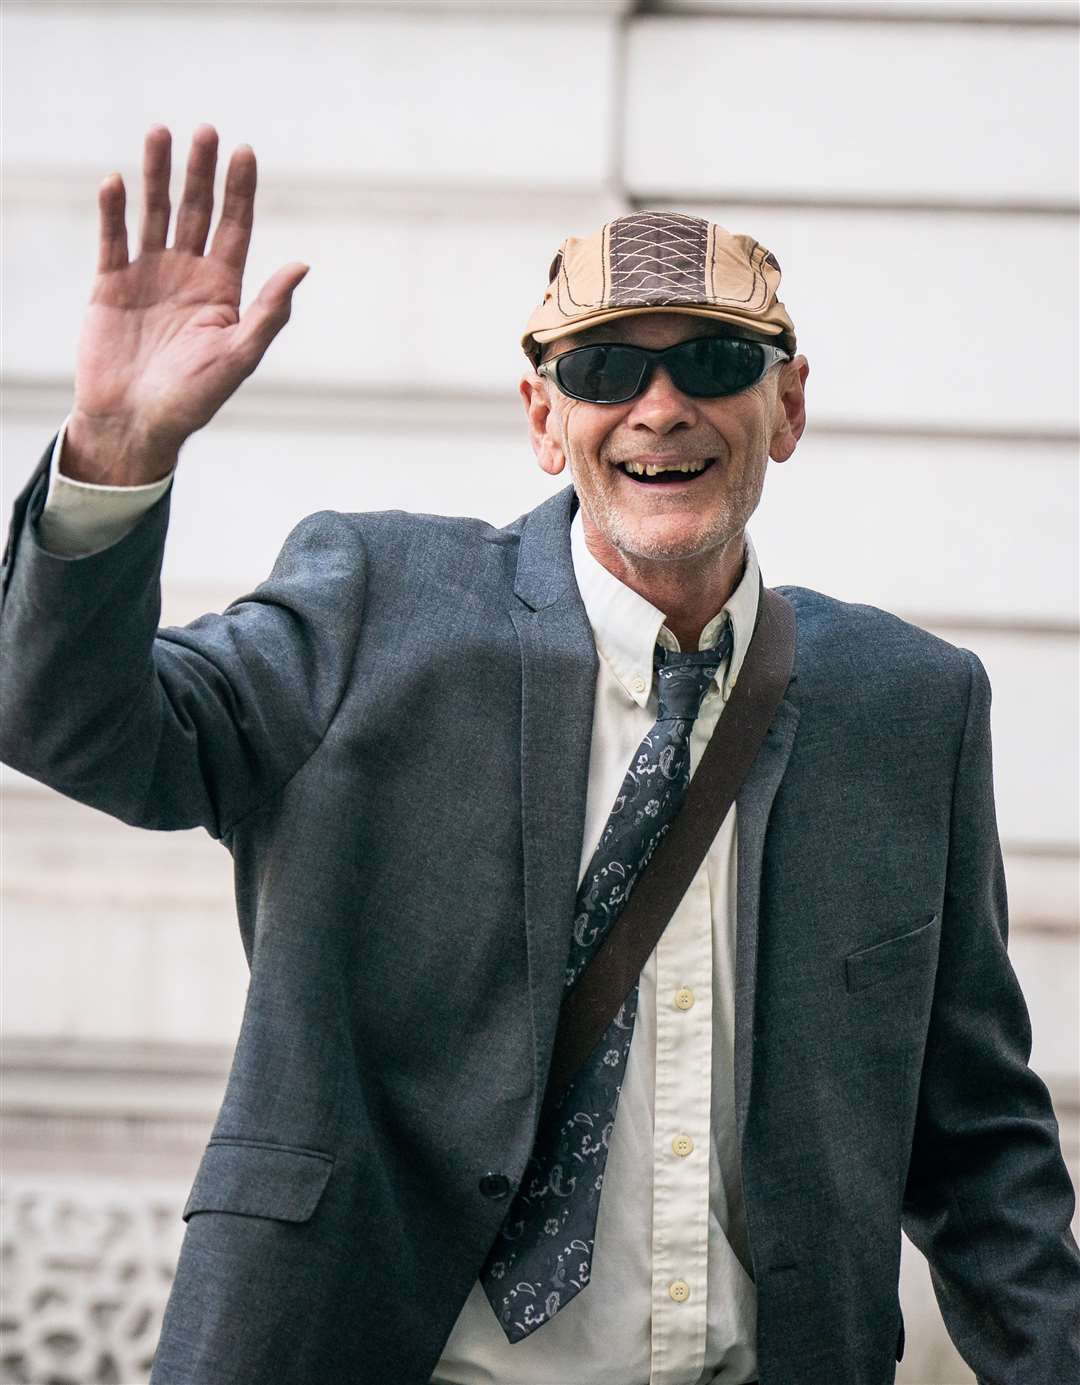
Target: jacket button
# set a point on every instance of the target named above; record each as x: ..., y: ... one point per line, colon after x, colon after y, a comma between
x: 494, y: 1185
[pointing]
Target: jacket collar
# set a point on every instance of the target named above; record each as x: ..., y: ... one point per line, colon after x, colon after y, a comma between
x: 544, y: 567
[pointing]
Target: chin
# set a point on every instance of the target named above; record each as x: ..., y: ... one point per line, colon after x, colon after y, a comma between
x: 667, y: 538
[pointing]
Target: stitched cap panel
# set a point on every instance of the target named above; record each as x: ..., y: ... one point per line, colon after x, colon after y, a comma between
x: 658, y: 258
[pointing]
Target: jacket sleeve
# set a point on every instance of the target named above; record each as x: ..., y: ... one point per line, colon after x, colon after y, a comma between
x: 988, y: 1198
x: 171, y: 728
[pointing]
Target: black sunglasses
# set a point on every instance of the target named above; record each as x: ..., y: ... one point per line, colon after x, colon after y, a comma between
x: 704, y: 367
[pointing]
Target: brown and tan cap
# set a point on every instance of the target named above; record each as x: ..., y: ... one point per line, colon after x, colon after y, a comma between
x: 660, y: 262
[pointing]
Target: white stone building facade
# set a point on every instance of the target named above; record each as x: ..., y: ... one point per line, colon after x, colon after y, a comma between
x: 913, y: 165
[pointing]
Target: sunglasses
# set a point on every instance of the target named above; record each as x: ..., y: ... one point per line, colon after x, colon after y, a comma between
x: 704, y: 367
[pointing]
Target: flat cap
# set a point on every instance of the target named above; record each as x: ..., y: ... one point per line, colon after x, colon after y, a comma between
x: 660, y: 262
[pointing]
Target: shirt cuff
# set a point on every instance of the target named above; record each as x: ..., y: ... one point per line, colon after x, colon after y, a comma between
x: 80, y: 518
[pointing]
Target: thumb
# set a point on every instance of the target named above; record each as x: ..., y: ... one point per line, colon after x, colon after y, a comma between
x: 266, y: 315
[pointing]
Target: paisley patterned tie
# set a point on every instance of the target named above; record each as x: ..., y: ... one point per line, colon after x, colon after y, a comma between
x: 542, y: 1255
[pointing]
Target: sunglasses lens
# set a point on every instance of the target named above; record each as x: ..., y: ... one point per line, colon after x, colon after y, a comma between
x: 713, y: 366
x: 706, y: 367
x: 603, y: 374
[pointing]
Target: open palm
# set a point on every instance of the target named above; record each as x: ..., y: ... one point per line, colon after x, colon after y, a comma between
x: 163, y: 344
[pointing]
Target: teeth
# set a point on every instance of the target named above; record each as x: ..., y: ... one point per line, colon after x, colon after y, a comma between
x: 637, y: 469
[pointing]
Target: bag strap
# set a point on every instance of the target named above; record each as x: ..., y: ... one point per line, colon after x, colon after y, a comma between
x: 733, y: 746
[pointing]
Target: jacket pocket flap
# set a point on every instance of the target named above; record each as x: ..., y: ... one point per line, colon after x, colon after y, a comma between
x: 259, y: 1180
x: 893, y: 958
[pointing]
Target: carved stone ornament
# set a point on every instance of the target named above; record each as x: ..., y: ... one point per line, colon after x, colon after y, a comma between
x: 86, y: 1269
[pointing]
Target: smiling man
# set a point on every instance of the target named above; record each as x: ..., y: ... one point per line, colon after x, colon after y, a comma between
x: 497, y: 1114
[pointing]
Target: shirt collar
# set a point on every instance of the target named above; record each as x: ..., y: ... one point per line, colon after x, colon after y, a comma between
x: 627, y: 628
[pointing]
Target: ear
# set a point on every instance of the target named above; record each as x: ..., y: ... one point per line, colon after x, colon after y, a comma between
x: 543, y: 424
x: 790, y: 408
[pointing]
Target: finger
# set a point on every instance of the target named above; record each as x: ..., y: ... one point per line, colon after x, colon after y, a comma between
x: 265, y: 317
x: 197, y: 202
x: 156, y: 167
x: 233, y: 234
x: 113, y: 245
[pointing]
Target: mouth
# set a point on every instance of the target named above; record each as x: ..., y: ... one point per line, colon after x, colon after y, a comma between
x: 664, y: 473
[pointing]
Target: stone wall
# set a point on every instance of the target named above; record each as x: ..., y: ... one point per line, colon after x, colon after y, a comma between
x: 912, y: 163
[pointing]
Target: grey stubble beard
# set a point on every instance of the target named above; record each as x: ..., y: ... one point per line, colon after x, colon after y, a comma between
x: 606, y: 516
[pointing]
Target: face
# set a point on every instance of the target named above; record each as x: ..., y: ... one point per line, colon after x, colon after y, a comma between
x: 682, y: 515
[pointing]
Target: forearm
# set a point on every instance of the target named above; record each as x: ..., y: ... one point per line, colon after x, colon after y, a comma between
x: 180, y: 727
x: 76, y: 637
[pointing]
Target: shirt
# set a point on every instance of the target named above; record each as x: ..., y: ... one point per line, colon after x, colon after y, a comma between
x: 670, y: 1299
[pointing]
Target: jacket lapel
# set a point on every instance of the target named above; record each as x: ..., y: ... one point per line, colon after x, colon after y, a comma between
x: 753, y: 805
x: 558, y: 681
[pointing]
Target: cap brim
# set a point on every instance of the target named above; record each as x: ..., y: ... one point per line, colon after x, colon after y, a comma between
x: 547, y: 334
x: 751, y: 328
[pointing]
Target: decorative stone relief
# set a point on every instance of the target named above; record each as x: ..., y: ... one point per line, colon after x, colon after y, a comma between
x: 86, y: 1270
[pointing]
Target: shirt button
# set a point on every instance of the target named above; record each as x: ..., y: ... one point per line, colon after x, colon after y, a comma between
x: 494, y: 1185
x: 638, y: 685
x: 679, y: 1290
x: 682, y: 1145
x: 684, y: 998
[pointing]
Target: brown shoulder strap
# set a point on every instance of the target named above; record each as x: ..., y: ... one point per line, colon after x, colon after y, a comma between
x: 733, y: 746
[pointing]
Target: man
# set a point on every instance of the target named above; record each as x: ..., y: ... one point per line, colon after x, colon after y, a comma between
x: 419, y: 739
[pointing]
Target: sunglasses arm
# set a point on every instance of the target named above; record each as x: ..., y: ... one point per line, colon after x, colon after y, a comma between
x: 773, y: 355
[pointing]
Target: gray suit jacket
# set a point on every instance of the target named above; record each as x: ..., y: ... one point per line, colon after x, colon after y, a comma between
x: 391, y: 737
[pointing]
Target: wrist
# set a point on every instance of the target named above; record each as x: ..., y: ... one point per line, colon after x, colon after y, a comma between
x: 111, y: 452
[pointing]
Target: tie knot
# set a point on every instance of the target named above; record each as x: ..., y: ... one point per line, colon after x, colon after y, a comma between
x: 682, y: 680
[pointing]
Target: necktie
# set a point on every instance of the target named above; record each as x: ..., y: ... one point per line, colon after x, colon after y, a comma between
x: 542, y: 1255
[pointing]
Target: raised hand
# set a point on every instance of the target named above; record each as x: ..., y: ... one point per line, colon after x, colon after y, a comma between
x: 163, y: 344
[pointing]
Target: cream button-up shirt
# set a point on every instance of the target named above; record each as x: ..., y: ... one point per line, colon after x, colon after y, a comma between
x: 670, y: 1300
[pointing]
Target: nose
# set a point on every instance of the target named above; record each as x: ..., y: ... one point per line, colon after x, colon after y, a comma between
x: 662, y: 407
